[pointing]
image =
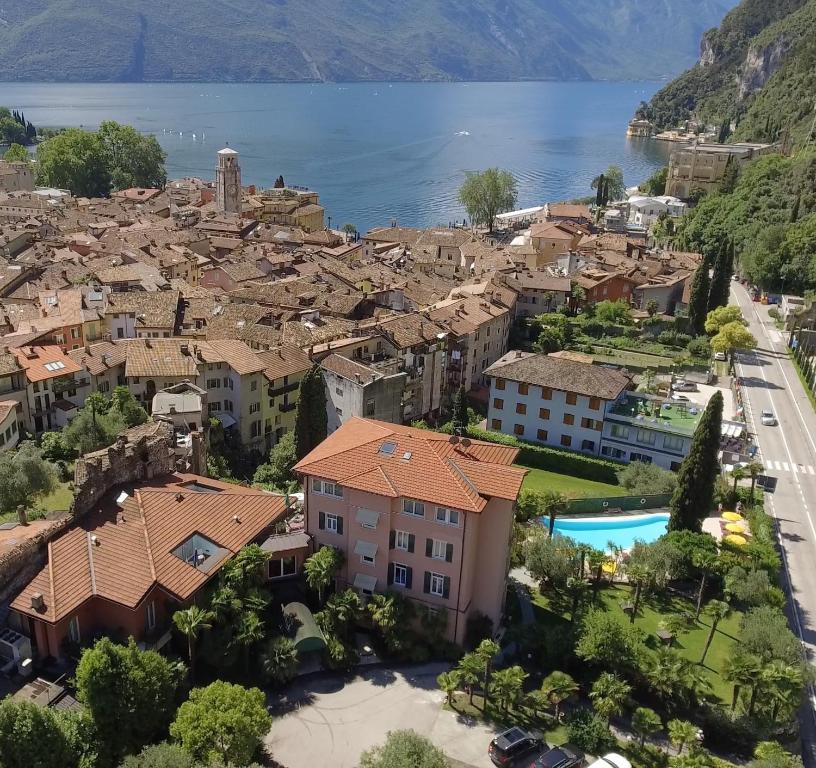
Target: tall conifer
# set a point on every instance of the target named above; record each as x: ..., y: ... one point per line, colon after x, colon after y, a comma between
x: 698, y: 300
x: 311, y: 419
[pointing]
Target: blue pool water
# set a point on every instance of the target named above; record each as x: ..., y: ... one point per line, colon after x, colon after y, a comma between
x: 623, y: 530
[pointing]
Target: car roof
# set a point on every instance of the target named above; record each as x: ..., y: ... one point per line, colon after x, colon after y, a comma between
x: 513, y: 735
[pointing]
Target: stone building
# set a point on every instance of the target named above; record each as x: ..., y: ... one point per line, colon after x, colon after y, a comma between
x: 228, y: 182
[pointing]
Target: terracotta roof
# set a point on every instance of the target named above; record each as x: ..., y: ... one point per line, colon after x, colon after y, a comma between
x: 8, y: 364
x: 349, y: 369
x: 6, y: 407
x: 119, y: 553
x: 568, y: 211
x: 236, y: 354
x: 561, y: 374
x: 551, y: 230
x: 98, y: 358
x: 156, y: 309
x: 397, y: 461
x: 159, y: 357
x: 408, y: 330
x: 43, y: 363
x: 287, y: 360
x: 539, y: 281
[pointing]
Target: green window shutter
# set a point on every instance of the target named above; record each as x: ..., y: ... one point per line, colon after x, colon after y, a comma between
x: 427, y: 586
x: 409, y: 578
x: 340, y: 525
x: 449, y: 552
x: 446, y: 587
x: 390, y: 574
x: 411, y: 542
x: 428, y: 547
x: 392, y: 537
x: 321, y: 521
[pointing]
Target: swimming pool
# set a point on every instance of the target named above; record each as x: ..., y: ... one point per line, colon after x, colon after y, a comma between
x: 623, y: 530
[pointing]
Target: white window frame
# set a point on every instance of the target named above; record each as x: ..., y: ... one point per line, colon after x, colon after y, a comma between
x: 437, y: 579
x: 447, y: 514
x: 411, y: 507
x: 673, y: 442
x: 439, y: 550
x: 651, y: 437
x: 327, y: 488
x: 368, y: 559
x: 151, y: 615
x: 399, y: 568
x: 401, y: 539
x: 330, y: 522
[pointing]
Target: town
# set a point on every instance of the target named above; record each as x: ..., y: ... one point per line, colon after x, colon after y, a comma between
x: 501, y: 482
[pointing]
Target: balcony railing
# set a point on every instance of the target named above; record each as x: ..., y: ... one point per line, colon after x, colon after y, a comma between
x: 286, y: 407
x: 275, y: 391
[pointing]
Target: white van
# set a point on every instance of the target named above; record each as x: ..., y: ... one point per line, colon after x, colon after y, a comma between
x: 612, y: 760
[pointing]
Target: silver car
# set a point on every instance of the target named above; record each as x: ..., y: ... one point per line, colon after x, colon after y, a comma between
x: 768, y: 418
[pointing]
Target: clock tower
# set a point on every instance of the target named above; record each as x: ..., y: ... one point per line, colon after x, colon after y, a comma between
x: 228, y: 182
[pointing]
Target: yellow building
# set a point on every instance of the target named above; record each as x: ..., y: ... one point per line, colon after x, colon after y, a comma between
x: 284, y: 368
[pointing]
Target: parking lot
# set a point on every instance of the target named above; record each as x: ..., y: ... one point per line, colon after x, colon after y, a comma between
x: 327, y: 721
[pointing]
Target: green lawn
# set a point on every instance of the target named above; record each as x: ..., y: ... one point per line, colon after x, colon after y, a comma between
x: 652, y: 610
x: 571, y: 487
x: 58, y: 501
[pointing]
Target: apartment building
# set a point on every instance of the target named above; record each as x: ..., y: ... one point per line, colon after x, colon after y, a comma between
x: 283, y: 370
x: 538, y: 292
x: 555, y: 401
x: 9, y: 424
x: 416, y: 512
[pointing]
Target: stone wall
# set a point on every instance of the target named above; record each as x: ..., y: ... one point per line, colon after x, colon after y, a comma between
x: 141, y: 453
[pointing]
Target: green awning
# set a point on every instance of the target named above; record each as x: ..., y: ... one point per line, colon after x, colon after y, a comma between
x: 308, y: 636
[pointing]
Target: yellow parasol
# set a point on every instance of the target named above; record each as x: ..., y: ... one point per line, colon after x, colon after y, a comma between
x: 734, y: 528
x: 732, y: 517
x: 609, y: 567
x: 736, y: 539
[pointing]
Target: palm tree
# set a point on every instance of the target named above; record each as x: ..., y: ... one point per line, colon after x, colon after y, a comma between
x: 507, y: 685
x: 320, y: 569
x: 249, y: 631
x: 741, y: 670
x: 638, y: 574
x: 596, y: 559
x: 448, y: 682
x: 738, y: 474
x: 645, y: 722
x: 279, y: 663
x: 783, y: 684
x: 343, y: 610
x: 754, y: 469
x: 676, y: 624
x: 717, y: 610
x: 674, y: 678
x: 470, y: 671
x: 609, y: 694
x: 552, y: 505
x: 192, y: 622
x: 706, y: 562
x: 487, y: 650
x: 681, y: 732
x: 557, y: 687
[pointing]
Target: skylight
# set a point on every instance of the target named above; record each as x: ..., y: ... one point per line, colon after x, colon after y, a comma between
x: 388, y: 448
x: 199, y: 552
x: 55, y: 366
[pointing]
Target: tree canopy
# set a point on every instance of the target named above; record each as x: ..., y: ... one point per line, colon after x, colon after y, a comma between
x: 24, y: 477
x: 612, y: 178
x: 31, y: 735
x: 223, y: 722
x: 733, y: 336
x: 641, y: 478
x: 486, y: 194
x: 311, y: 419
x: 16, y: 153
x: 404, y: 749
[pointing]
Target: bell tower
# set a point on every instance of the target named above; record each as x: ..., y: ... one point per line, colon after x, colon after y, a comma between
x: 228, y: 182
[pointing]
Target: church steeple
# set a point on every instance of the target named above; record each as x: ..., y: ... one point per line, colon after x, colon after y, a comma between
x: 228, y: 181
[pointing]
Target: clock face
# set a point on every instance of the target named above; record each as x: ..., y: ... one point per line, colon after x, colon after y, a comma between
x: 234, y: 188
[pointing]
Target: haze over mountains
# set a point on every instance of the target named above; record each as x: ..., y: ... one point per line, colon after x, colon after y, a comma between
x: 348, y: 40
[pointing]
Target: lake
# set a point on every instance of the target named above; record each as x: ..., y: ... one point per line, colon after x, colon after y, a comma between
x: 374, y: 151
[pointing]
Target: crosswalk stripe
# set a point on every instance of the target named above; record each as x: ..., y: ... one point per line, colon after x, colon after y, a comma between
x: 794, y: 469
x: 785, y: 466
x: 811, y: 470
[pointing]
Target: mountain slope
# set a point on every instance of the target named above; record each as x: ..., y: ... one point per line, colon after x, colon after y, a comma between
x: 757, y: 70
x: 346, y: 40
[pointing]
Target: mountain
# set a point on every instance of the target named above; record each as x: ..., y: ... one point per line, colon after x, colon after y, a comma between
x: 757, y: 71
x: 347, y: 40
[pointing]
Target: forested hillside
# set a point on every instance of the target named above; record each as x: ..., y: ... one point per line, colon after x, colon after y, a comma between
x: 757, y: 71
x: 346, y: 40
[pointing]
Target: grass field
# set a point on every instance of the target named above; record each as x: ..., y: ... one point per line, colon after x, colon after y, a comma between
x: 59, y: 501
x: 652, y: 610
x: 571, y: 487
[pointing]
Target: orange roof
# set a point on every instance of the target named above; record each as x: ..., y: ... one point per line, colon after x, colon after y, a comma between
x: 41, y: 363
x: 6, y: 407
x: 119, y: 552
x: 423, y: 465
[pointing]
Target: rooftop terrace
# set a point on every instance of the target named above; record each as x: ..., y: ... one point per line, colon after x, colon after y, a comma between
x: 657, y: 413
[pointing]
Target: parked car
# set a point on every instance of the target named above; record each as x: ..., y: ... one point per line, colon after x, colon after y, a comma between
x: 680, y: 398
x: 565, y: 756
x: 768, y: 418
x: 720, y: 356
x: 612, y: 760
x: 512, y: 746
x: 681, y: 385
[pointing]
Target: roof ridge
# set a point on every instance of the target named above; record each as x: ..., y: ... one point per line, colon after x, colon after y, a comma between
x: 464, y: 480
x: 51, y: 576
x: 388, y: 480
x: 89, y: 541
x: 138, y: 495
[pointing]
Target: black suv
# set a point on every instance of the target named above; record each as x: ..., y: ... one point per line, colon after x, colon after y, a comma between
x: 559, y: 757
x: 514, y: 744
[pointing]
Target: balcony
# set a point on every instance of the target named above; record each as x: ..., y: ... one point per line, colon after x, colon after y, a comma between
x: 286, y: 407
x: 275, y: 391
x: 651, y: 414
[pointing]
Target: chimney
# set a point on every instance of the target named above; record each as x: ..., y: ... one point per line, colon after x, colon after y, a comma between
x: 37, y: 602
x: 21, y: 514
x: 179, y: 497
x: 147, y: 343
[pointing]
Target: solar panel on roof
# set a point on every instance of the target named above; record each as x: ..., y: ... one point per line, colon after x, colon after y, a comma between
x: 388, y: 448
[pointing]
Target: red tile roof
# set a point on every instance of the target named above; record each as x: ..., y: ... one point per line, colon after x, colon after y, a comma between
x: 423, y: 465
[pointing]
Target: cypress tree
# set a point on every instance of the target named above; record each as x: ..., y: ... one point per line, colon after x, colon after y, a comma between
x: 721, y: 279
x: 599, y: 192
x: 311, y: 419
x: 698, y: 300
x: 460, y: 413
x: 794, y: 217
x: 694, y: 495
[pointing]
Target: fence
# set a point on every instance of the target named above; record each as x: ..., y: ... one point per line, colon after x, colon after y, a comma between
x: 617, y: 503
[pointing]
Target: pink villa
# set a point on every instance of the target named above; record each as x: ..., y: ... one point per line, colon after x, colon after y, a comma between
x: 418, y: 512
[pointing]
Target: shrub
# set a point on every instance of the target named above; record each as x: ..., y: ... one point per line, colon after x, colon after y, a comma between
x: 479, y: 627
x: 724, y: 732
x: 553, y: 459
x: 589, y: 732
x: 699, y: 347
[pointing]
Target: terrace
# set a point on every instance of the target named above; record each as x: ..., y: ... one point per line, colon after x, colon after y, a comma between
x: 655, y: 413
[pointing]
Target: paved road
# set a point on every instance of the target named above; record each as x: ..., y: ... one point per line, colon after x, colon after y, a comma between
x: 788, y: 452
x: 328, y: 721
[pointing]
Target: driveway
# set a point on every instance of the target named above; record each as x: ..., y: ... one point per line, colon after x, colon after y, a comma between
x: 328, y: 722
